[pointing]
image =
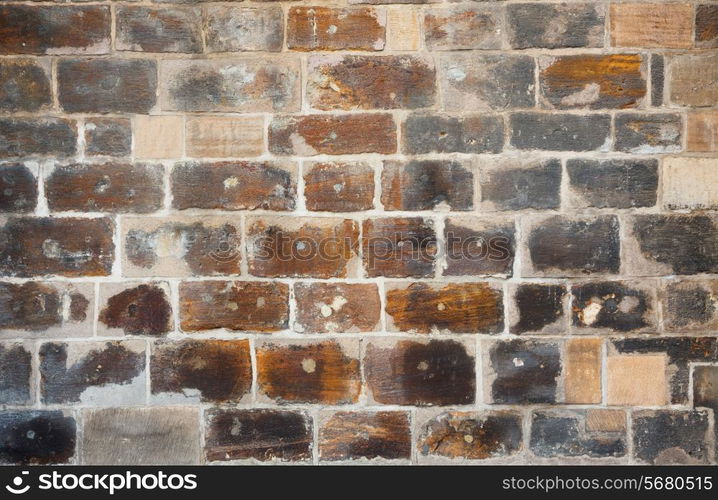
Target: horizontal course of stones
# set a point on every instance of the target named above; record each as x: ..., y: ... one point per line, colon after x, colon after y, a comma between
x: 169, y: 172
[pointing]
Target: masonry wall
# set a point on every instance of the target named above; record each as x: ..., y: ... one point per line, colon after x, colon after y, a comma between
x: 329, y: 231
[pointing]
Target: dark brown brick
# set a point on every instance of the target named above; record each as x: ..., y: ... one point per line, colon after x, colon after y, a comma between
x: 563, y: 433
x: 472, y: 435
x: 37, y: 437
x: 690, y: 305
x: 399, y: 247
x: 370, y: 82
x: 216, y: 371
x: 309, y: 372
x: 181, y: 246
x: 233, y: 185
x: 107, y: 85
x: 26, y: 29
x: 477, y: 247
x: 325, y: 28
x: 463, y: 27
x: 671, y: 437
x: 522, y: 371
x: 137, y: 310
x: 236, y: 29
x: 555, y: 26
x: 427, y: 184
x: 106, y: 187
x: 706, y: 26
x: 649, y: 133
x: 93, y: 372
x: 518, y: 185
x: 149, y: 29
x: 301, y: 246
x: 262, y: 434
x: 15, y: 374
x: 37, y: 137
x: 63, y: 246
x: 452, y: 308
x: 367, y: 435
x: 407, y: 372
x: 338, y: 187
x: 560, y: 132
x: 108, y: 137
x: 539, y: 308
x: 429, y: 133
x: 614, y: 306
x: 337, y: 307
x: 24, y: 85
x: 705, y: 386
x: 18, y: 186
x: 333, y: 135
x: 592, y: 81
x: 573, y: 246
x: 234, y: 305
x: 613, y: 183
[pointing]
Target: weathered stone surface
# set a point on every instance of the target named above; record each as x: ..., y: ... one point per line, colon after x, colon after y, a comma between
x: 519, y: 184
x: 572, y: 246
x: 303, y: 247
x: 637, y: 380
x: 564, y: 433
x: 649, y: 133
x: 234, y: 185
x: 427, y: 184
x: 95, y: 373
x: 159, y: 136
x: 370, y: 82
x: 694, y: 79
x: 592, y: 81
x: 690, y: 183
x: 690, y: 305
x: 560, y: 132
x: 16, y: 374
x: 403, y: 29
x: 661, y: 25
x: 46, y: 309
x: 420, y: 373
x: 326, y: 28
x: 105, y: 187
x: 605, y: 420
x: 538, y: 307
x: 140, y: 436
x: 18, y: 185
x: 237, y: 29
x: 522, y: 371
x: 337, y: 307
x: 672, y: 244
x: 135, y: 309
x: 463, y: 27
x: 367, y: 435
x: 311, y: 135
x: 479, y: 246
x: 37, y: 437
x: 399, y: 247
x: 68, y: 246
x: 614, y: 306
x: 658, y: 77
x: 669, y: 437
x: 705, y: 386
x: 472, y: 435
x: 262, y: 434
x: 223, y: 137
x: 181, y: 246
x: 241, y: 84
x: 612, y: 183
x: 555, y: 26
x: 481, y: 82
x: 338, y: 186
x: 703, y: 131
x: 216, y: 371
x: 24, y: 85
x: 37, y: 137
x: 582, y: 362
x: 149, y: 29
x: 234, y: 305
x: 432, y: 133
x: 706, y: 32
x: 453, y: 308
x: 29, y: 29
x: 108, y: 137
x: 309, y: 372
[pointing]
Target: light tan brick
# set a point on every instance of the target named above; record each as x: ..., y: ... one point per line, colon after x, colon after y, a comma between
x: 652, y: 25
x: 403, y: 29
x: 694, y: 79
x: 225, y: 137
x: 583, y: 371
x: 637, y: 380
x: 703, y: 131
x: 159, y: 137
x: 604, y: 420
x: 690, y: 183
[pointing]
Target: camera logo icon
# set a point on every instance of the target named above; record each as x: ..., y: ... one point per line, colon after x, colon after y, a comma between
x: 17, y: 481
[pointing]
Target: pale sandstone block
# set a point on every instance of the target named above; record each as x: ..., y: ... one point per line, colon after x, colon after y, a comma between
x: 583, y: 371
x: 652, y: 25
x: 690, y: 183
x: 403, y: 29
x: 159, y: 137
x: 224, y: 137
x: 637, y: 380
x: 703, y: 131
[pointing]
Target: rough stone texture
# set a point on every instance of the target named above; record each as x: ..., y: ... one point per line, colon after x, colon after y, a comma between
x: 652, y: 25
x: 325, y: 28
x: 689, y: 183
x: 37, y: 437
x: 368, y: 435
x: 513, y: 184
x: 239, y: 29
x: 399, y: 247
x: 612, y: 183
x: 108, y: 137
x: 658, y: 79
x: 560, y: 132
x: 430, y: 133
x: 644, y: 134
x: 15, y: 374
x: 141, y: 436
x: 670, y: 437
x: 564, y: 433
x: 479, y: 246
x: 706, y: 26
x: 703, y: 131
x: 690, y: 305
x: 149, y: 29
x: 19, y: 188
x: 337, y: 307
x: 458, y: 28
x: 538, y: 307
x: 135, y: 309
x: 614, y: 306
x: 555, y: 26
x: 694, y: 79
x: 27, y: 137
x: 338, y: 186
x: 24, y: 85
